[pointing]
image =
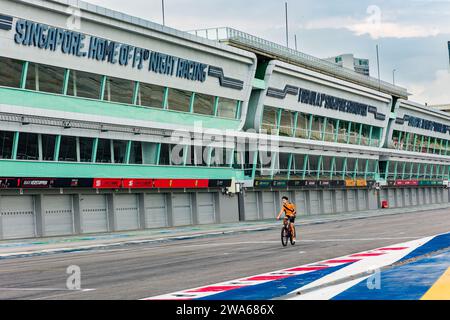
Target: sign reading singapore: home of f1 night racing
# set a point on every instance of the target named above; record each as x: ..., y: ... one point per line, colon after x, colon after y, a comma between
x: 73, y: 43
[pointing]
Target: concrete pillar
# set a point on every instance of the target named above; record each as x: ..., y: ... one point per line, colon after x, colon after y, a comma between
x: 1, y: 220
x: 76, y: 214
x: 346, y: 206
x: 241, y: 206
x: 39, y: 215
x: 333, y: 202
x: 194, y: 209
x: 110, y: 200
x: 169, y: 209
x: 141, y: 208
x: 260, y: 200
x: 308, y: 203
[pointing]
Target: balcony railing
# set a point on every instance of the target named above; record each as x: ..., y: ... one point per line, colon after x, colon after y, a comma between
x: 289, y: 55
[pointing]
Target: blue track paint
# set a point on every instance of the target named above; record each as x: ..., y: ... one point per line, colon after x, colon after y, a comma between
x: 407, y: 282
x: 439, y: 242
x: 274, y: 289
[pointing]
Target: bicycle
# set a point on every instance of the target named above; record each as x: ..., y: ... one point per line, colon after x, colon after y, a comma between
x: 286, y: 233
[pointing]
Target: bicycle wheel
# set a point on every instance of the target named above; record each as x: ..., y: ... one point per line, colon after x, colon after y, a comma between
x: 284, y: 236
x: 292, y: 235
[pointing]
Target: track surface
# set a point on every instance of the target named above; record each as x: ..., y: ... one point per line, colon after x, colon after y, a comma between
x: 140, y: 271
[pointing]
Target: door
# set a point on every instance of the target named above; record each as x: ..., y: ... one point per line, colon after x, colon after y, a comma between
x: 17, y: 219
x: 251, y: 205
x: 182, y: 209
x: 155, y: 211
x: 94, y: 213
x: 268, y: 205
x: 206, y: 208
x: 327, y: 202
x: 339, y: 201
x: 314, y: 201
x: 58, y: 215
x: 126, y: 212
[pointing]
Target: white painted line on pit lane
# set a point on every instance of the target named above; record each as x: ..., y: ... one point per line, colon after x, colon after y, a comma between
x: 45, y: 289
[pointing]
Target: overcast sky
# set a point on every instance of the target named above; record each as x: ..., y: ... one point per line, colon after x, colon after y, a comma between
x: 412, y: 34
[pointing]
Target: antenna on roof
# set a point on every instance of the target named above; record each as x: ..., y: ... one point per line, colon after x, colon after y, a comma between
x: 287, y: 28
x: 163, y: 13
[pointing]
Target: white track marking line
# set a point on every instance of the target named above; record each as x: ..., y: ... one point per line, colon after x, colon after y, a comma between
x: 365, y: 264
x: 329, y: 292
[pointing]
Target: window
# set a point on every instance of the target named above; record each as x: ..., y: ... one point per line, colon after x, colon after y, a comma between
x: 204, y: 104
x: 86, y: 149
x: 330, y: 130
x: 28, y: 148
x: 6, y: 144
x: 10, y: 72
x: 84, y: 85
x: 343, y: 132
x: 297, y: 164
x: 339, y: 168
x: 302, y: 126
x: 365, y: 135
x: 150, y: 95
x: 226, y: 108
x: 136, y: 152
x: 68, y: 149
x: 171, y: 154
x: 48, y: 147
x: 119, y: 90
x: 269, y: 122
x: 287, y: 123
x: 45, y: 78
x: 316, y: 128
x: 283, y: 159
x: 120, y: 148
x: 179, y: 100
x: 219, y: 157
x: 104, y: 151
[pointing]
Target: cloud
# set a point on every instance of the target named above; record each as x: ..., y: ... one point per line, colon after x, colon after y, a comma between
x: 393, y: 30
x: 435, y: 92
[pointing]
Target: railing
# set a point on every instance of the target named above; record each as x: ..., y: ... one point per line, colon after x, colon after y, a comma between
x: 296, y: 57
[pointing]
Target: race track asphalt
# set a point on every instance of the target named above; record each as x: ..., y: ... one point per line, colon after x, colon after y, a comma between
x: 143, y: 270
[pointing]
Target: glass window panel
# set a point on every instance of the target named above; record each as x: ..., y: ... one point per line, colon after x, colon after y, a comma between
x: 339, y: 168
x: 10, y: 72
x: 365, y: 135
x: 120, y: 148
x: 104, y: 151
x: 286, y: 123
x: 269, y: 122
x: 171, y: 154
x: 204, y: 104
x: 84, y: 85
x: 68, y: 149
x: 48, y: 147
x: 179, y: 100
x: 226, y: 108
x: 86, y: 145
x: 330, y: 130
x: 28, y: 148
x: 316, y: 128
x: 45, y: 78
x: 150, y: 95
x: 6, y: 144
x: 297, y: 164
x: 302, y: 126
x: 136, y: 153
x: 342, y: 132
x: 119, y: 90
x: 219, y: 157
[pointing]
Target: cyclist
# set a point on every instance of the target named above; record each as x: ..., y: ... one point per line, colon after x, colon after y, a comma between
x: 288, y: 209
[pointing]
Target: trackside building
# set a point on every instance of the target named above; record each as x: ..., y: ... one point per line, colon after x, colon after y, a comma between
x: 110, y: 123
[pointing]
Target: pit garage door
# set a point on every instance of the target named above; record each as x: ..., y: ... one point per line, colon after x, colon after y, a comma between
x: 339, y: 201
x: 351, y: 200
x: 206, y: 208
x: 182, y: 209
x: 362, y: 202
x: 268, y: 205
x: 427, y: 192
x: 126, y: 212
x: 433, y: 195
x: 251, y: 205
x: 407, y: 193
x: 300, y: 203
x: 327, y: 202
x: 94, y: 213
x: 314, y: 201
x: 58, y: 215
x: 399, y: 197
x: 17, y: 218
x: 421, y: 196
x: 391, y: 198
x: 155, y: 211
x: 414, y: 197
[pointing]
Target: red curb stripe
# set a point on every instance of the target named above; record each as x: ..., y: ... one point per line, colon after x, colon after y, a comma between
x: 307, y: 269
x: 264, y: 278
x: 343, y: 261
x: 215, y: 289
x: 368, y: 254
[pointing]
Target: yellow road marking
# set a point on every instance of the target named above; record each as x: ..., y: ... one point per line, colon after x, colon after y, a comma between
x: 441, y: 288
